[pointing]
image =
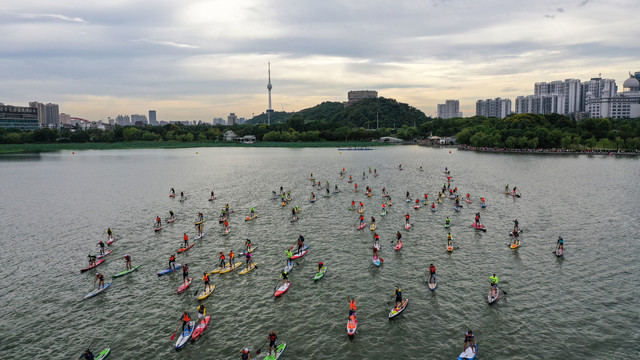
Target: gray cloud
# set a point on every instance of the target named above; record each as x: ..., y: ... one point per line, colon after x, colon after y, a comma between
x: 166, y: 43
x: 52, y: 16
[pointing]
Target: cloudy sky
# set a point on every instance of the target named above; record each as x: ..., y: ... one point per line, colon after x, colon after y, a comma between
x: 194, y: 59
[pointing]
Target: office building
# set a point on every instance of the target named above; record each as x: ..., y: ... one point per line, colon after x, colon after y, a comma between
x: 611, y: 104
x: 19, y: 117
x: 450, y: 109
x: 500, y: 108
x: 152, y: 117
x: 138, y: 119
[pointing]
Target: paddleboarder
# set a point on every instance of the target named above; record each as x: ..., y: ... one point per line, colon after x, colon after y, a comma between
x: 127, y: 258
x: 320, y: 265
x: 173, y: 192
x: 313, y: 196
x: 186, y: 317
x: 199, y: 228
x: 494, y: 281
x: 182, y: 195
x: 185, y: 273
x: 185, y: 238
x: 294, y: 217
x: 300, y: 243
x: 447, y: 221
x: 101, y: 246
x: 477, y: 219
x: 560, y: 243
x: 109, y: 233
x: 207, y: 282
x: 289, y: 256
x: 469, y: 338
x: 172, y: 262
x: 171, y: 215
x: 212, y: 195
x: 245, y: 354
x: 398, y: 293
x: 202, y: 311
x: 253, y: 212
x: 283, y: 275
x: 92, y: 259
x: 432, y: 271
x: 100, y: 279
x: 352, y: 306
x: 223, y: 262
x: 373, y: 221
x: 515, y: 226
x: 361, y: 220
x: 248, y: 257
x: 231, y: 256
x: 88, y: 355
x: 406, y: 218
x: 247, y: 245
x: 273, y: 341
x: 398, y: 236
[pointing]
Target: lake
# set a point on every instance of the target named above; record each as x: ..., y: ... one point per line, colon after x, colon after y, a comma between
x: 57, y: 206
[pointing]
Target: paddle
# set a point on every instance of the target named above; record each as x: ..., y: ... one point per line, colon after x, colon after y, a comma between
x: 196, y: 293
x: 258, y: 351
x: 392, y: 296
x: 88, y: 347
x: 174, y: 333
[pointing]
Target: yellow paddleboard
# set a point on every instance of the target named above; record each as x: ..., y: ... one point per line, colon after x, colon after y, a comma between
x: 360, y: 211
x: 203, y: 295
x: 247, y: 269
x: 229, y: 268
x: 372, y: 227
x: 249, y: 218
x: 515, y: 246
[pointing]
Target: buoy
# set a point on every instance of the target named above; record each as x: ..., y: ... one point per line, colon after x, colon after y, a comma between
x: 196, y: 153
x: 73, y: 152
x: 340, y: 152
x: 449, y: 151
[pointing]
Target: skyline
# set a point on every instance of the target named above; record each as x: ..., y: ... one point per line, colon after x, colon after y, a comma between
x: 208, y: 59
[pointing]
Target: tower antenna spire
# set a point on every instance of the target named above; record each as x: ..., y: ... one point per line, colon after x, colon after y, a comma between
x: 269, y: 87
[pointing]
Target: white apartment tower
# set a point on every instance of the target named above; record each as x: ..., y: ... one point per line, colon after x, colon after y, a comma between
x: 450, y: 109
x: 500, y: 108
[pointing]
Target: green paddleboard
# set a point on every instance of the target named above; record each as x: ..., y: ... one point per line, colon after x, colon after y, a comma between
x: 278, y: 352
x: 103, y: 354
x: 126, y: 271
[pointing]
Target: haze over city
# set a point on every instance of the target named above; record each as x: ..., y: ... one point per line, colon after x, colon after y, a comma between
x: 198, y: 60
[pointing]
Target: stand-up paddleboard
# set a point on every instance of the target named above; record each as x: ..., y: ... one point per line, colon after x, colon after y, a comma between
x: 218, y: 269
x: 202, y: 326
x: 226, y: 231
x: 185, y: 335
x: 516, y: 245
x: 434, y: 209
x: 432, y: 283
x: 249, y: 268
x: 494, y: 295
x: 222, y: 219
x: 398, y: 309
x: 352, y: 325
x: 384, y: 212
x: 300, y: 253
x: 450, y: 248
x: 172, y: 220
x: 361, y: 210
x: 249, y: 218
x: 167, y: 271
x: 407, y: 226
x: 361, y: 226
x: 185, y: 249
x: 457, y: 208
x: 278, y: 352
x: 478, y: 227
x: 200, y: 236
x: 289, y: 267
x: 320, y: 273
x: 446, y: 226
x: 372, y: 227
x: 469, y: 353
x: 110, y: 241
x: 417, y: 207
x: 483, y: 205
x: 157, y: 229
x: 229, y: 268
x: 467, y: 200
x: 398, y: 245
x: 205, y: 294
x: 184, y: 286
x: 200, y: 222
x: 126, y: 271
x: 376, y: 260
x: 103, y: 354
x: 103, y: 255
x: 559, y: 252
x: 92, y: 266
x: 213, y: 198
x: 97, y: 291
x: 250, y: 250
x: 282, y: 289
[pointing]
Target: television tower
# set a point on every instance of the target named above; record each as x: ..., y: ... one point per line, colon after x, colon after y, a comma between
x: 269, y: 110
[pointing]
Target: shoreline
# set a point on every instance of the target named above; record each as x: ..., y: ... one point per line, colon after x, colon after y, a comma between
x: 552, y: 151
x: 50, y: 147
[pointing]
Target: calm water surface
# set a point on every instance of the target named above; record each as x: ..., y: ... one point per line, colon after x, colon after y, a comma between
x: 56, y: 206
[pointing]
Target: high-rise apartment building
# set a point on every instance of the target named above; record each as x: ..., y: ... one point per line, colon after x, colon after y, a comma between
x: 152, y: 117
x: 497, y: 107
x: 450, y: 109
x: 540, y: 104
x: 232, y: 119
x: 611, y: 104
x: 41, y: 112
x: 123, y: 120
x: 52, y: 114
x: 138, y: 119
x: 65, y: 119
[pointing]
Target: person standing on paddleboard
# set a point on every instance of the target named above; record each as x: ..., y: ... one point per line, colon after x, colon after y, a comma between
x: 432, y: 271
x: 406, y: 218
x: 92, y: 259
x: 173, y: 192
x: 245, y: 354
x: 289, y: 256
x: 283, y: 275
x: 515, y: 226
x: 101, y: 246
x: 253, y: 212
x: 100, y: 279
x: 361, y: 220
x: 494, y: 282
x: 320, y: 265
x: 186, y: 317
x: 398, y: 294
x: 398, y: 236
x: 181, y: 195
x: 223, y: 263
x: 199, y: 228
x: 212, y: 194
x: 127, y: 258
x: 171, y: 215
x: 477, y: 219
x: 247, y: 245
x: 273, y: 341
x: 300, y: 243
x: 447, y: 221
x: 352, y: 306
x: 231, y: 256
x: 560, y: 243
x: 172, y: 262
x: 185, y: 273
x: 207, y: 282
x: 202, y: 311
x: 109, y: 233
x: 185, y: 237
x: 88, y: 355
x: 248, y: 256
x: 200, y: 216
x: 470, y: 339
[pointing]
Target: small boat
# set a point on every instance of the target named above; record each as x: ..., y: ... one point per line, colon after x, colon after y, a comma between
x: 282, y: 289
x: 432, y: 283
x: 202, y: 326
x: 97, y: 291
x: 126, y: 271
x: 205, y: 294
x: 301, y: 252
x: 92, y: 266
x: 168, y: 271
x: 398, y: 309
x: 469, y: 353
x: 559, y: 252
x: 185, y: 286
x: 362, y: 226
x: 352, y: 325
x: 320, y: 273
x: 185, y: 336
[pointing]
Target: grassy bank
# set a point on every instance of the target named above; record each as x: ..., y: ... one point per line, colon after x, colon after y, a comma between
x: 35, y: 148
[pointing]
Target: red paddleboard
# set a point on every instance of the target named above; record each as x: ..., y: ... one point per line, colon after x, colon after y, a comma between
x: 282, y: 289
x: 398, y: 246
x: 171, y: 196
x: 185, y: 249
x: 407, y: 226
x: 202, y: 326
x: 92, y: 266
x: 157, y: 229
x: 110, y: 241
x: 184, y: 286
x: 360, y: 227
